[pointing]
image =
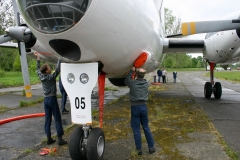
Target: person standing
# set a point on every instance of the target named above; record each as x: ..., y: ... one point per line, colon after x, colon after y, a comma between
x: 154, y: 76
x: 50, y: 100
x: 164, y: 75
x: 138, y: 95
x: 159, y: 73
x: 64, y: 97
x: 174, y: 76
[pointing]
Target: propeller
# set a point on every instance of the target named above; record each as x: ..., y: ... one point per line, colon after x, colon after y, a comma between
x: 5, y: 38
x: 189, y: 28
x: 21, y: 34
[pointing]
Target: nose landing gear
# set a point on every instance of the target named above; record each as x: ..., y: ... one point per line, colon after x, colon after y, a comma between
x: 87, y: 143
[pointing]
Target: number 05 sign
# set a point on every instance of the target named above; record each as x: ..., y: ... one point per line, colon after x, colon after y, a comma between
x: 79, y: 81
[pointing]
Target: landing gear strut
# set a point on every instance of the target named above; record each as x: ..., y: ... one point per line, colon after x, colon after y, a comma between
x: 210, y: 87
x: 86, y: 143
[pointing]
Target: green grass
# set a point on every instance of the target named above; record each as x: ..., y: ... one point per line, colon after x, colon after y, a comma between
x: 13, y: 79
x: 30, y: 103
x: 184, y: 69
x: 3, y: 109
x: 227, y: 75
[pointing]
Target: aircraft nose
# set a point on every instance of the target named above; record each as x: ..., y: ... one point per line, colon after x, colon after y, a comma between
x: 54, y: 17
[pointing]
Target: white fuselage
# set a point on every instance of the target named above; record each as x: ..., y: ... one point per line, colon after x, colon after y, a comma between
x: 114, y: 33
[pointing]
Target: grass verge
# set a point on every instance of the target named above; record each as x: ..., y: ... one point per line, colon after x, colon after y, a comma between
x: 30, y: 103
x: 3, y: 109
x: 233, y: 76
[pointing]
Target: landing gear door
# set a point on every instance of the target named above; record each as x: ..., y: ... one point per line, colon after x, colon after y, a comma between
x: 79, y: 81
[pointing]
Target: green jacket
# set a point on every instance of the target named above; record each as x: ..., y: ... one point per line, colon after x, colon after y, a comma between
x: 138, y: 94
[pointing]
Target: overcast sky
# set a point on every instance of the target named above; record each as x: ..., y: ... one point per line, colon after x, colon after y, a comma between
x: 202, y: 10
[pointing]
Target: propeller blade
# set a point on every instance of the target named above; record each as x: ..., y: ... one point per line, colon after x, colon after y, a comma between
x: 24, y: 67
x: 4, y: 38
x: 189, y: 28
x: 16, y: 13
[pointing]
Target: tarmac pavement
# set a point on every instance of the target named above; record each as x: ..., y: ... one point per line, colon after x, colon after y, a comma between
x: 224, y: 112
x: 18, y: 138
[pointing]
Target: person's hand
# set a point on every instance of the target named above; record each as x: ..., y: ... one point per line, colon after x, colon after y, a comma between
x: 141, y: 70
x: 133, y: 69
x: 37, y: 55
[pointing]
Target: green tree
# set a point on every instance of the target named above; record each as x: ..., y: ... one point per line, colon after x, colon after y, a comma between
x: 172, y: 23
x: 17, y: 63
x: 194, y: 62
x: 32, y: 64
x: 7, y: 57
x: 200, y: 61
x: 6, y: 15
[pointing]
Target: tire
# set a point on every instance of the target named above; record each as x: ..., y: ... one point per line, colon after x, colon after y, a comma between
x: 217, y: 90
x: 95, y: 144
x: 75, y: 144
x: 207, y: 90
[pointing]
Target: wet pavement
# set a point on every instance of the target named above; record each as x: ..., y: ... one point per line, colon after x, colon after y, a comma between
x: 18, y: 138
x: 224, y: 112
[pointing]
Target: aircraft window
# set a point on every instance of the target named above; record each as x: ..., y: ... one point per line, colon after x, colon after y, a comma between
x: 51, y: 16
x: 209, y: 35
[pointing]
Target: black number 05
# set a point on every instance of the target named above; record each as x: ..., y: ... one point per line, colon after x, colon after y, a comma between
x: 77, y: 102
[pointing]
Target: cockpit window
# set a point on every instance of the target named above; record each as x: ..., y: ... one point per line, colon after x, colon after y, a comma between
x: 51, y: 16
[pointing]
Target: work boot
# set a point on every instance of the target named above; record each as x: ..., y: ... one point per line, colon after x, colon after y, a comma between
x: 139, y: 151
x: 61, y: 141
x: 152, y: 150
x: 50, y: 140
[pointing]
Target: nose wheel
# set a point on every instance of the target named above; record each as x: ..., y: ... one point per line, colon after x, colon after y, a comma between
x: 87, y: 144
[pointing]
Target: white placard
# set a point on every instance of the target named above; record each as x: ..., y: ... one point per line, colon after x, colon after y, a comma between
x: 80, y: 94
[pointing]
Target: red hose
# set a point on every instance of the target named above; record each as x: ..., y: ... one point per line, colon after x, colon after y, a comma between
x: 21, y: 117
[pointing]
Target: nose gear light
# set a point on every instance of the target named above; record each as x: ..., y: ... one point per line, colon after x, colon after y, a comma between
x: 84, y: 78
x: 70, y: 78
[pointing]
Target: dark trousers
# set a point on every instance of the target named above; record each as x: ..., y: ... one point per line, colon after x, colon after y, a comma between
x: 64, y: 100
x: 51, y: 108
x: 164, y: 79
x: 159, y: 79
x: 139, y: 115
x: 64, y: 96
